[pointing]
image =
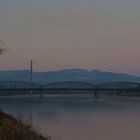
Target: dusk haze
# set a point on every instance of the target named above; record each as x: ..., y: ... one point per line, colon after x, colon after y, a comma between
x: 60, y: 34
x: 69, y: 69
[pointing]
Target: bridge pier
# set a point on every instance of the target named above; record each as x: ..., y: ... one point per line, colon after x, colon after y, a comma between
x: 96, y: 93
x: 111, y: 93
x: 41, y: 94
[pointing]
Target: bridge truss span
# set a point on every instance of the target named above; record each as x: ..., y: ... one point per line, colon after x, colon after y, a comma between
x: 119, y: 85
x: 70, y: 85
x: 116, y: 88
x: 18, y: 85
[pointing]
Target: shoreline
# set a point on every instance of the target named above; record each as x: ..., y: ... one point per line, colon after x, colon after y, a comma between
x: 13, y: 129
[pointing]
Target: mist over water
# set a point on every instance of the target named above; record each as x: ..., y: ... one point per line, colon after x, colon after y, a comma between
x: 80, y: 117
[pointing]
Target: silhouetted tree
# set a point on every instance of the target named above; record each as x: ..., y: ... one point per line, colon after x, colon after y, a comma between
x: 2, y: 50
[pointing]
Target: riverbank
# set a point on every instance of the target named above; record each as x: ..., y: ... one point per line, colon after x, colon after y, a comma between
x: 11, y: 129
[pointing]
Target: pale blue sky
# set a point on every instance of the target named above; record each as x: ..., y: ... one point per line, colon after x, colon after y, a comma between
x: 91, y: 34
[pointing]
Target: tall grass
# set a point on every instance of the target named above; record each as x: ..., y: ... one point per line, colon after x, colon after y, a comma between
x: 12, y: 129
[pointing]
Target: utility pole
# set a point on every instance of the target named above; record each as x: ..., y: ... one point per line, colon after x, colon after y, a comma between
x: 31, y: 81
x: 31, y: 71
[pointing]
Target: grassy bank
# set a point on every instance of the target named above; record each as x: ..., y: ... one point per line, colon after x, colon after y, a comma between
x: 11, y: 129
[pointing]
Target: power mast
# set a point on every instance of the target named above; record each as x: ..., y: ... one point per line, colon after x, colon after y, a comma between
x: 31, y: 94
x: 31, y: 71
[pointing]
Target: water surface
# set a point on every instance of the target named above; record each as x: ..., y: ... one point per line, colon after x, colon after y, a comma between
x: 79, y: 117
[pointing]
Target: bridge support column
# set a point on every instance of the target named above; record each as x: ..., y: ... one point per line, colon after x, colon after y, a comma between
x: 96, y: 93
x: 110, y: 92
x: 41, y: 94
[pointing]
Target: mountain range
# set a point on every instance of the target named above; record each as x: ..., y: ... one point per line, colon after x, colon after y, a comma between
x: 92, y: 76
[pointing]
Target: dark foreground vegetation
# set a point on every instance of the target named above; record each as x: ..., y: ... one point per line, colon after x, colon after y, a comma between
x: 11, y: 129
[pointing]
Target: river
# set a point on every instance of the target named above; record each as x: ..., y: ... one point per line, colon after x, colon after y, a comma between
x: 79, y: 117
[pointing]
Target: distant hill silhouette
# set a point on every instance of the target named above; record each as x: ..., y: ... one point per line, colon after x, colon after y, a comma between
x: 93, y: 76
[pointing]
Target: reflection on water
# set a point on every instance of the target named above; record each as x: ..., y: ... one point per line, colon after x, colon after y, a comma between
x: 80, y: 117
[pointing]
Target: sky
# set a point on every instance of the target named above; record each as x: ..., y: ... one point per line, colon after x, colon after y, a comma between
x: 62, y: 34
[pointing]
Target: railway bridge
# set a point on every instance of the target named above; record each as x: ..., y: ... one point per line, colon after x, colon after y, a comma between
x: 56, y: 87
